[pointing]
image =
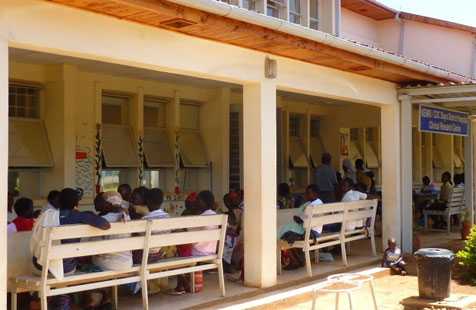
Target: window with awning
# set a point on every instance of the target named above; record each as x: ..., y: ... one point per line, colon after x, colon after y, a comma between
x: 28, y: 144
x: 157, y: 148
x: 371, y: 153
x: 119, y: 150
x: 193, y: 153
x: 297, y: 150
x: 192, y: 149
x: 316, y: 147
x: 297, y: 153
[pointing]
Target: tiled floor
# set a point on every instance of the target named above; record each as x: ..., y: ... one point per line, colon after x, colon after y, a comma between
x: 360, y: 256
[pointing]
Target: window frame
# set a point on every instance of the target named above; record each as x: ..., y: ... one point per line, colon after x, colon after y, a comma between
x: 26, y: 84
x: 314, y: 19
x: 125, y: 107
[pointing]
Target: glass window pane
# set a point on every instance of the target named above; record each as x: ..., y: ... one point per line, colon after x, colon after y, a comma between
x: 24, y: 101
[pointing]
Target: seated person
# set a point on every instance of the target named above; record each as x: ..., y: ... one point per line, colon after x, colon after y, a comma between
x: 295, y: 230
x: 392, y: 258
x: 204, y: 205
x: 154, y: 199
x: 137, y: 206
x: 459, y: 180
x: 52, y: 200
x: 126, y: 191
x: 427, y: 187
x: 69, y: 200
x: 25, y: 220
x: 110, y: 206
x: 446, y: 191
x: 285, y: 199
x: 352, y: 195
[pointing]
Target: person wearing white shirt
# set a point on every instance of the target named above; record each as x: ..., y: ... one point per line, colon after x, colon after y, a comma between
x: 352, y: 195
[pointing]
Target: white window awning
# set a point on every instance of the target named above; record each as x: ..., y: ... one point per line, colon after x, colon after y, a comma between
x: 371, y: 156
x: 28, y: 144
x: 192, y: 149
x: 157, y: 148
x: 297, y: 153
x: 119, y: 149
x: 354, y: 151
x: 317, y: 149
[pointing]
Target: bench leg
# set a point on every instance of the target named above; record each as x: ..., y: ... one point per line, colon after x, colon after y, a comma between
x: 221, y: 279
x: 145, y: 293
x: 14, y: 300
x: 115, y: 297
x: 43, y: 300
x: 316, y: 256
x: 307, y: 254
x: 372, y: 243
x: 278, y: 259
x: 343, y: 252
x: 192, y: 282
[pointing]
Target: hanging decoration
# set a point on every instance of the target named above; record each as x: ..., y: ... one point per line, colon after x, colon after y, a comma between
x: 141, y: 157
x: 177, y: 165
x: 99, y: 157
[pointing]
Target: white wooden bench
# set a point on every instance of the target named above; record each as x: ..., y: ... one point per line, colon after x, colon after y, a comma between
x: 455, y: 206
x: 343, y: 213
x: 140, y: 235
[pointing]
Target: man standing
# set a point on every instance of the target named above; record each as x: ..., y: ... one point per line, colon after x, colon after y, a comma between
x: 326, y: 179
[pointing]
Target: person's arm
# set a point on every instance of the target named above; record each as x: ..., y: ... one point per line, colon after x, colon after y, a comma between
x: 92, y: 219
x: 362, y: 196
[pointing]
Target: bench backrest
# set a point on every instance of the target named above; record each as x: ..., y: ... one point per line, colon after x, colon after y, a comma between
x: 457, y: 198
x: 19, y: 259
x: 285, y: 216
x: 133, y: 235
x: 342, y: 212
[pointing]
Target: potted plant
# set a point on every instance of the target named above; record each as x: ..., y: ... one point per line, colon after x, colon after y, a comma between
x: 466, y: 224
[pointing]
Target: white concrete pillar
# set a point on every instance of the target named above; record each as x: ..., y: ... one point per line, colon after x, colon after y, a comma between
x: 469, y: 185
x: 3, y: 166
x: 406, y: 153
x: 259, y: 152
x: 391, y: 185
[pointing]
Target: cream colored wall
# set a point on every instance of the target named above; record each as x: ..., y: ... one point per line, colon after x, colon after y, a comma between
x: 71, y: 107
x: 358, y: 27
x: 47, y: 27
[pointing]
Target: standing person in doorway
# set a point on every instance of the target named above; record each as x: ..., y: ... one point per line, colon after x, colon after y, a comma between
x: 326, y: 179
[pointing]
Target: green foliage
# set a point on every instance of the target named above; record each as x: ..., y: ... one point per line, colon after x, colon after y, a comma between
x: 467, y: 256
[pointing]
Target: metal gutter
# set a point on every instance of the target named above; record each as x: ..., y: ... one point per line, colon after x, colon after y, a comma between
x: 252, y: 17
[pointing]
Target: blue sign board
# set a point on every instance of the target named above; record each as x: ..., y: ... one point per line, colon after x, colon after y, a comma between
x: 440, y: 120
